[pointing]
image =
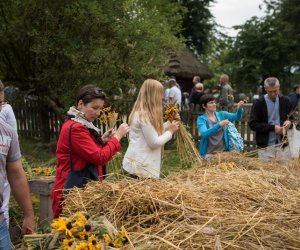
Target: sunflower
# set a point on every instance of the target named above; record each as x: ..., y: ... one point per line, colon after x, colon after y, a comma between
x: 67, y: 244
x: 80, y: 219
x: 82, y: 246
x: 83, y: 235
x: 93, y: 244
x: 62, y: 225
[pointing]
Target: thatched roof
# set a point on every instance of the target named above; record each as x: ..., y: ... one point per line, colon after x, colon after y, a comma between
x: 186, y: 65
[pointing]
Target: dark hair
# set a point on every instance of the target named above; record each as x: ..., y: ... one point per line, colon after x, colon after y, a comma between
x: 205, y: 99
x: 296, y: 87
x: 90, y: 92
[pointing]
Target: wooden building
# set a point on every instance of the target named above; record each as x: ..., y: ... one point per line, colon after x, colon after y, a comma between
x: 184, y: 67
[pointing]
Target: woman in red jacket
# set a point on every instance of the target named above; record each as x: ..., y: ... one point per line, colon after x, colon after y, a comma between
x: 80, y: 147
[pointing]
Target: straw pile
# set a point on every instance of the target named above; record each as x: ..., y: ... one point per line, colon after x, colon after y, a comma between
x: 232, y: 202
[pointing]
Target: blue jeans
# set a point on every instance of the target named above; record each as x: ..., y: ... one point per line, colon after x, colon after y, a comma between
x: 5, y: 243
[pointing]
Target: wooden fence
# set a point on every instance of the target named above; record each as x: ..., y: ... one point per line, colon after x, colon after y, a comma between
x: 34, y: 120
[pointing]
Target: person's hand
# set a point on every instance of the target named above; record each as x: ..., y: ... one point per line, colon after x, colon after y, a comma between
x: 28, y: 226
x: 174, y: 126
x: 107, y: 135
x: 278, y: 130
x: 122, y: 131
x: 240, y: 104
x: 224, y: 123
x: 177, y: 117
x: 287, y: 124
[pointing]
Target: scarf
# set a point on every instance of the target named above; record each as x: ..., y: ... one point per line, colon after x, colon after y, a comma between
x: 78, y: 116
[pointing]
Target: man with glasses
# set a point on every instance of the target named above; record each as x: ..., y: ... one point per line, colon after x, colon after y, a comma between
x: 11, y: 169
x: 269, y: 117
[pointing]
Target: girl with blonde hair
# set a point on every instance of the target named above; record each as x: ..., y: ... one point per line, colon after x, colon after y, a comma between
x: 148, y: 134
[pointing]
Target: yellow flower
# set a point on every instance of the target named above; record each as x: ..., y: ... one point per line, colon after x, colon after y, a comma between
x: 67, y: 244
x: 82, y: 246
x: 118, y: 242
x: 107, y: 109
x: 93, y: 244
x: 80, y: 219
x: 123, y: 232
x: 83, y: 235
x: 62, y: 225
x: 107, y: 238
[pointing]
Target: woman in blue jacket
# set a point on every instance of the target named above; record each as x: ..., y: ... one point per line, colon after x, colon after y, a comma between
x: 212, y: 123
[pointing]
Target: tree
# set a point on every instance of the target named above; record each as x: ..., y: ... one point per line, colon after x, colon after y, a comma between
x: 50, y: 48
x: 197, y: 25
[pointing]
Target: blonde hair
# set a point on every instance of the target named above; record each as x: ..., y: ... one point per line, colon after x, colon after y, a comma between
x: 149, y: 104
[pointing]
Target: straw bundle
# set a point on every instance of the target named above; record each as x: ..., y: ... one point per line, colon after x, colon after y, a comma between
x: 187, y: 151
x: 247, y: 206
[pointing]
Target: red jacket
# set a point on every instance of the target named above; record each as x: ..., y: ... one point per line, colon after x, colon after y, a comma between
x: 85, y: 150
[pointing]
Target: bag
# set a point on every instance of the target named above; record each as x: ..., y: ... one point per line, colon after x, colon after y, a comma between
x: 234, y: 138
x: 82, y: 177
x: 293, y: 136
x: 235, y: 141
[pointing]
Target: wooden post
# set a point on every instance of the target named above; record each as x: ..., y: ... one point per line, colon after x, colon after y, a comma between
x: 43, y: 188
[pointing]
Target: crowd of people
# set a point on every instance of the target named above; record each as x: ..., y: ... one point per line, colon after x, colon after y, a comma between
x: 82, y: 151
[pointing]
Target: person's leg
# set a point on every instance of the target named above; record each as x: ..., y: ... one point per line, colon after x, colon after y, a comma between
x: 5, y: 242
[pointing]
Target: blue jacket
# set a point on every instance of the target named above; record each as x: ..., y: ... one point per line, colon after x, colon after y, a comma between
x: 206, y: 131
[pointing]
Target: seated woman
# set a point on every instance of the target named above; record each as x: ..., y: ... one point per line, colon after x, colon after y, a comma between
x: 81, y: 147
x: 211, y: 124
x: 148, y: 134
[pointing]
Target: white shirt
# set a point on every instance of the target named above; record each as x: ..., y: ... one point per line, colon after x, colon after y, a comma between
x: 143, y: 156
x: 175, y: 94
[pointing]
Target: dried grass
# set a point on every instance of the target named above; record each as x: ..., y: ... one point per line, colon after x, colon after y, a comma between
x: 254, y: 206
x: 186, y: 148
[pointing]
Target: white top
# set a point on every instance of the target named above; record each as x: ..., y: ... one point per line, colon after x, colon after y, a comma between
x: 7, y: 116
x: 143, y: 156
x: 175, y: 93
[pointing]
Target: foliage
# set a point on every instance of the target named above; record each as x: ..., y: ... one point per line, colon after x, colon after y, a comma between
x: 265, y: 47
x: 197, y: 25
x: 50, y: 48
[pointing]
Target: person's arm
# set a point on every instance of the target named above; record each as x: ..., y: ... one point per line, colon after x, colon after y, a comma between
x: 166, y: 125
x: 19, y: 186
x: 233, y: 116
x: 204, y: 131
x: 83, y: 144
x: 152, y: 138
x: 255, y: 123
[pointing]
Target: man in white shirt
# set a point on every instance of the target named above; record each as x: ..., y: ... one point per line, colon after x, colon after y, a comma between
x: 6, y: 115
x: 174, y: 94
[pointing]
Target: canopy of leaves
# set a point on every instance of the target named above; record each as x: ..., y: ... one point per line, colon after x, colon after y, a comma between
x: 197, y: 24
x: 50, y: 48
x: 265, y: 47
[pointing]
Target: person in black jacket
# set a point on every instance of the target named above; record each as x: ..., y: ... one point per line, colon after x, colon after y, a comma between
x: 268, y: 118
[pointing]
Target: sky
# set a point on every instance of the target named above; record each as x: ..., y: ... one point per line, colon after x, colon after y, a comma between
x: 235, y: 12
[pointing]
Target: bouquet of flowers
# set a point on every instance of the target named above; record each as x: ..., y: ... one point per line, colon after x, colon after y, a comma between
x: 108, y: 117
x: 187, y: 151
x: 79, y: 232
